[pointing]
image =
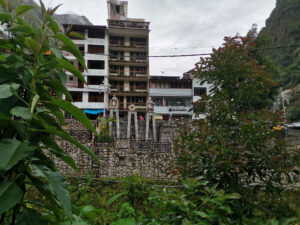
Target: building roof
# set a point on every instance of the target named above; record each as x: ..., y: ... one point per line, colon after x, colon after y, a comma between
x: 100, y: 27
x: 169, y: 78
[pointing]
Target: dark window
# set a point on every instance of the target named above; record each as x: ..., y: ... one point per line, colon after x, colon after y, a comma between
x: 95, y: 80
x: 200, y: 91
x: 117, y: 9
x: 77, y: 96
x: 96, y: 49
x: 96, y: 33
x: 96, y: 97
x: 96, y: 64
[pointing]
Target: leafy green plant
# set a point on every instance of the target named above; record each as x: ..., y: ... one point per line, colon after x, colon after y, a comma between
x: 235, y: 146
x: 33, y: 73
x: 103, y: 129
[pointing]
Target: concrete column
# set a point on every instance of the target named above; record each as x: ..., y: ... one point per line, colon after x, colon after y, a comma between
x: 147, y: 127
x: 129, y: 125
x: 154, y: 127
x: 118, y: 123
x: 136, y: 126
x: 111, y: 113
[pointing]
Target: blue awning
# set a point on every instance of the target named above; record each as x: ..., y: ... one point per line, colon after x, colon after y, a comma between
x: 93, y: 111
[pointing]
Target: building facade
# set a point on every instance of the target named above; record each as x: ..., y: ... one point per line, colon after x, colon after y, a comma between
x: 94, y: 47
x: 172, y: 97
x: 128, y: 70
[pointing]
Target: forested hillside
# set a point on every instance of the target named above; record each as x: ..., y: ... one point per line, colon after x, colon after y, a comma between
x: 34, y: 16
x: 283, y: 26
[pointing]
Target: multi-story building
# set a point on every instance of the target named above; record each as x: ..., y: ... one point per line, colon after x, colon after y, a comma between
x: 128, y: 57
x: 172, y: 96
x: 94, y: 47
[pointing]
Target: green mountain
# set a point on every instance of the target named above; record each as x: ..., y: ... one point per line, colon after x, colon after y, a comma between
x: 34, y: 16
x: 283, y: 27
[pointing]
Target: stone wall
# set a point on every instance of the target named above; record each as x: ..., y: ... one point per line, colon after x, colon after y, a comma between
x: 123, y: 157
x: 126, y: 157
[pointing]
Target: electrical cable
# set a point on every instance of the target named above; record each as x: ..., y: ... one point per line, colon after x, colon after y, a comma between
x: 202, y: 54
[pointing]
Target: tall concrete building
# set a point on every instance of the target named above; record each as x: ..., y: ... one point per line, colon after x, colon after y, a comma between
x: 94, y: 48
x: 128, y: 71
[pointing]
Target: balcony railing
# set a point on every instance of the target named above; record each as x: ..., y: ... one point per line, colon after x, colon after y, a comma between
x: 132, y: 89
x: 135, y: 44
x: 117, y: 43
x: 116, y: 73
x: 138, y: 59
x: 139, y: 89
x: 117, y: 89
x: 138, y: 73
x: 116, y: 58
x: 74, y: 84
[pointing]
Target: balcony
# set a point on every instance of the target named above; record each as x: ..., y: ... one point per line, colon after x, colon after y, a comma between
x: 117, y: 43
x: 134, y: 44
x: 133, y: 24
x: 138, y: 74
x: 116, y: 73
x: 138, y: 89
x: 70, y: 84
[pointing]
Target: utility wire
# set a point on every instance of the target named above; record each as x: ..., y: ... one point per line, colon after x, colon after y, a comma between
x: 200, y: 54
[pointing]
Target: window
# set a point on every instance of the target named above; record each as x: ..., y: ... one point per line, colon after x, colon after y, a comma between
x: 200, y: 91
x: 95, y: 80
x: 158, y: 101
x: 77, y: 96
x: 117, y: 9
x: 96, y: 49
x: 96, y: 97
x: 96, y: 33
x: 96, y: 64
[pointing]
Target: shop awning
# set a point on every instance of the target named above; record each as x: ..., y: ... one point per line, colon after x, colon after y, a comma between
x: 93, y: 111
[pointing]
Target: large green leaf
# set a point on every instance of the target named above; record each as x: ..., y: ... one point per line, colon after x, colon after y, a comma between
x: 54, y: 148
x: 57, y: 185
x: 71, y: 47
x: 30, y: 217
x: 22, y: 112
x: 33, y: 46
x: 74, y: 111
x: 113, y: 199
x: 6, y: 90
x: 10, y: 195
x: 76, y: 221
x: 23, y: 9
x: 24, y: 28
x: 127, y: 221
x: 12, y: 151
x: 68, y: 66
x: 52, y: 24
x: 58, y: 87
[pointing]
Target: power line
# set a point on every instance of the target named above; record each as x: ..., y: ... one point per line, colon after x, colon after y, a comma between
x: 199, y: 54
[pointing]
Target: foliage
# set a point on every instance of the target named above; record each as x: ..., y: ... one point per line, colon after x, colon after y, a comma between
x: 283, y: 29
x: 103, y: 129
x: 235, y: 145
x: 31, y: 115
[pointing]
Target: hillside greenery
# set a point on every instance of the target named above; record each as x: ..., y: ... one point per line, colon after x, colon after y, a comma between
x: 283, y: 29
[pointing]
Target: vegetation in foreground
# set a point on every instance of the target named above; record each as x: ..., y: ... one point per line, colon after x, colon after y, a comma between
x: 214, y: 189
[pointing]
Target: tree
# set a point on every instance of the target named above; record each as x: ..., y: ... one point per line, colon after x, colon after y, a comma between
x: 235, y: 146
x: 31, y: 115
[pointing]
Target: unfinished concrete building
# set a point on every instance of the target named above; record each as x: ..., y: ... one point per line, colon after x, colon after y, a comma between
x: 128, y: 57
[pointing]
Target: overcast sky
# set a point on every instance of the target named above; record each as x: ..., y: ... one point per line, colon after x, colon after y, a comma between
x: 180, y: 26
